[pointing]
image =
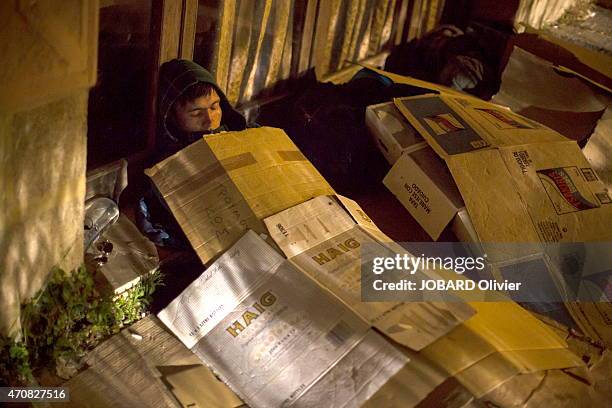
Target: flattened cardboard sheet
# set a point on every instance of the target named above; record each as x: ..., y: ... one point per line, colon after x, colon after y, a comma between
x: 455, y: 125
x: 322, y: 239
x: 411, y: 385
x: 502, y: 340
x: 224, y: 184
x: 274, y: 335
x: 545, y: 192
x: 197, y: 387
x: 528, y: 80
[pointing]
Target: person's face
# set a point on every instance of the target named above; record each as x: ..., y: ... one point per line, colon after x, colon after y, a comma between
x: 200, y: 114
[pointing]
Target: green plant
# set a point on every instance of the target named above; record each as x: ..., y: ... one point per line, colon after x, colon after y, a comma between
x: 131, y: 304
x: 66, y: 319
x: 14, y: 363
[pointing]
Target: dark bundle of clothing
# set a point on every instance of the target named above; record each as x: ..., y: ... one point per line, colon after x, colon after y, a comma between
x: 327, y: 122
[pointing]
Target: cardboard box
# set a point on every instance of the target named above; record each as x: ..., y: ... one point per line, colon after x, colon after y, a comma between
x: 520, y: 181
x: 391, y: 131
x: 226, y: 183
x: 275, y: 336
x: 452, y: 125
x: 422, y: 183
x: 323, y: 239
x: 513, y: 169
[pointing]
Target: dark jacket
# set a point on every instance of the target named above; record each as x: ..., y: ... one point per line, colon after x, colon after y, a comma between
x: 175, y: 77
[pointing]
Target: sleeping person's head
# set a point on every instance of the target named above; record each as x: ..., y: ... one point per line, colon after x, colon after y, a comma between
x: 191, y: 104
x: 198, y: 109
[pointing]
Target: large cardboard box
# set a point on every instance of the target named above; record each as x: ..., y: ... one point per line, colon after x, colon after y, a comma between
x: 226, y: 183
x: 331, y: 245
x: 452, y: 125
x: 275, y: 336
x: 520, y: 181
x: 391, y: 131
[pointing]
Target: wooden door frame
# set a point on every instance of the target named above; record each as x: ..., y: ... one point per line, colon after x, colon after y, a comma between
x: 172, y: 35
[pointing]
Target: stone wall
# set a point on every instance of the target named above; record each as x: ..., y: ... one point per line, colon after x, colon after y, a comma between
x: 42, y: 184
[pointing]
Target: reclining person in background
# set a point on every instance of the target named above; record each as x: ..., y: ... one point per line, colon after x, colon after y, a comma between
x: 191, y: 105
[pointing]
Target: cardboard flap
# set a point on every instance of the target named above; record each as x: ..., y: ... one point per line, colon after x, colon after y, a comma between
x: 565, y: 199
x: 494, y: 204
x: 448, y: 131
x: 293, y: 231
x: 455, y: 125
x: 499, y: 125
x: 544, y: 192
x: 224, y: 184
x: 357, y: 212
x: 422, y: 183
